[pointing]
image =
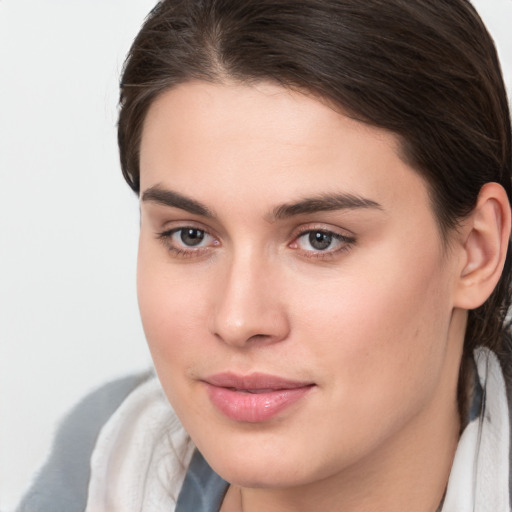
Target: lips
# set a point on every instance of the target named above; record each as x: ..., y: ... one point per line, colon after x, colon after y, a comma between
x: 254, y: 398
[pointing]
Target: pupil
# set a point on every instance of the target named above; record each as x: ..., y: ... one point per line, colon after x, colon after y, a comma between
x: 319, y: 240
x: 191, y: 236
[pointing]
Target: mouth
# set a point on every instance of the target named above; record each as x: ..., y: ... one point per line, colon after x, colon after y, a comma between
x: 254, y: 398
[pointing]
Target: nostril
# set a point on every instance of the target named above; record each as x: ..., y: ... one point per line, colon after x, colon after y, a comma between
x: 256, y: 337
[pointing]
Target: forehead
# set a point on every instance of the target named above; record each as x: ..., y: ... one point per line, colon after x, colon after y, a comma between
x: 293, y: 115
x: 267, y: 141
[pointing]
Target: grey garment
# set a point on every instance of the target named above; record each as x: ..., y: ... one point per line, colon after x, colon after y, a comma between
x: 203, y: 490
x: 61, y: 484
x: 506, y: 365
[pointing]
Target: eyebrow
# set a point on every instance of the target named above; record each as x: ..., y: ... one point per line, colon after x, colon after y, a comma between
x: 323, y: 203
x: 319, y: 203
x: 173, y: 199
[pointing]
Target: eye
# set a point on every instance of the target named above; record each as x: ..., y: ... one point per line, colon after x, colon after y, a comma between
x: 319, y: 240
x: 191, y: 237
x: 322, y: 242
x: 187, y: 241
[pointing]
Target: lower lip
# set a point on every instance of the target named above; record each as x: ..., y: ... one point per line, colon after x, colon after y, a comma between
x: 254, y: 407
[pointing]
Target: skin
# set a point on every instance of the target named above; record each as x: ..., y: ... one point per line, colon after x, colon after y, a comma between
x: 372, y: 321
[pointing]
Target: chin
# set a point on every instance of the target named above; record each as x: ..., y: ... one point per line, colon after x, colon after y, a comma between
x: 265, y: 465
x: 261, y: 475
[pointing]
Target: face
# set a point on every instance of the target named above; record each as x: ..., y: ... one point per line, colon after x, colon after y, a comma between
x: 293, y: 286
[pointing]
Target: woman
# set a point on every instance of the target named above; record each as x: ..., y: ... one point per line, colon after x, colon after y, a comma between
x: 323, y: 272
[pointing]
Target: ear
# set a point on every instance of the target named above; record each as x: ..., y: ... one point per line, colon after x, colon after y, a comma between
x: 486, y: 234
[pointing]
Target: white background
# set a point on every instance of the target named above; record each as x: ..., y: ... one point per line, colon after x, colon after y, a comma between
x: 68, y: 223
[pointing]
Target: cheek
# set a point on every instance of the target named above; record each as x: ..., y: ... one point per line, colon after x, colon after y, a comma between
x: 171, y: 306
x: 171, y: 312
x: 379, y: 347
x: 383, y: 329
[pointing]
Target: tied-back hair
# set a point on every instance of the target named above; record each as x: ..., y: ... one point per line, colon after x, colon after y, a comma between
x: 426, y: 70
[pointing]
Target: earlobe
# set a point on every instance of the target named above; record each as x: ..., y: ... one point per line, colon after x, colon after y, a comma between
x: 486, y: 236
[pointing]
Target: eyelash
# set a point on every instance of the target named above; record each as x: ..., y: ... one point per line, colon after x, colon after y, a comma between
x: 346, y: 242
x: 166, y: 238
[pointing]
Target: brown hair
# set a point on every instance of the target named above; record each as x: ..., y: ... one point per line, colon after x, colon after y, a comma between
x: 425, y: 69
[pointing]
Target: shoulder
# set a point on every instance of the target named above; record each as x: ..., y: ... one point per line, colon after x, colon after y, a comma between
x: 61, y: 484
x: 141, y: 455
x: 506, y: 365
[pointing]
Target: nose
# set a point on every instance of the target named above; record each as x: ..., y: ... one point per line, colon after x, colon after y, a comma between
x: 249, y: 309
